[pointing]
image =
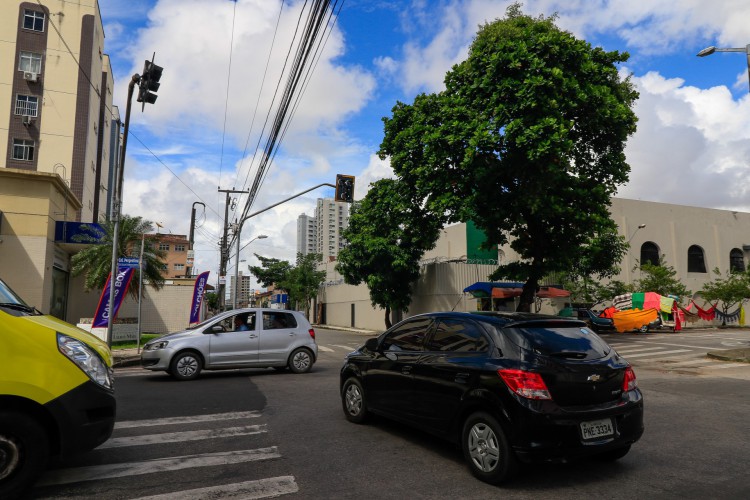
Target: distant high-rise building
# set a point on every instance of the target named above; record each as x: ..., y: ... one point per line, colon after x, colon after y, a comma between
x: 331, y: 218
x: 306, y: 234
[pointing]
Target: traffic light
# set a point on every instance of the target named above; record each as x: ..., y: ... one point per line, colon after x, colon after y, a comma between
x: 344, y: 188
x: 149, y: 83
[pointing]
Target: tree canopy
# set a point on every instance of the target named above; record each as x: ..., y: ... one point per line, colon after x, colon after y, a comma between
x: 300, y: 281
x: 659, y: 278
x: 527, y: 140
x: 387, y: 235
x: 732, y: 289
x: 95, y: 261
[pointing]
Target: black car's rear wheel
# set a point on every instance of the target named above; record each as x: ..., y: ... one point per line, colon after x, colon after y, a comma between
x: 353, y: 401
x: 486, y: 449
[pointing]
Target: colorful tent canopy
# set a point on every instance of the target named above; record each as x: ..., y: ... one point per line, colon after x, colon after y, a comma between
x: 482, y: 289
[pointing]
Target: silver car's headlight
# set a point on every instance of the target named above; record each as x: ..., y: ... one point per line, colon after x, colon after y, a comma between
x: 153, y: 346
x: 86, y: 359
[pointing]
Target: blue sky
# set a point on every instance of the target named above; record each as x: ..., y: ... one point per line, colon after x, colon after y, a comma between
x: 692, y: 146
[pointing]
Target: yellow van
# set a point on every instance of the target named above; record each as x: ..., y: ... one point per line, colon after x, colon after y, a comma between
x: 56, y: 393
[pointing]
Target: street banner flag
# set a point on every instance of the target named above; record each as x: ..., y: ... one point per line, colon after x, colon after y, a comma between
x: 200, y: 286
x: 124, y: 276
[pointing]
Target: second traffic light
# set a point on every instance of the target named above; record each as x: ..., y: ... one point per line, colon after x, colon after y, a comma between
x: 344, y: 188
x: 149, y: 83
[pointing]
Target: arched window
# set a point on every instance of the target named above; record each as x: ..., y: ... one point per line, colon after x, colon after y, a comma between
x: 696, y: 262
x: 650, y: 253
x: 736, y: 260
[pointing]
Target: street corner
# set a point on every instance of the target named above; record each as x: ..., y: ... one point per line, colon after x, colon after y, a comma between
x: 737, y: 355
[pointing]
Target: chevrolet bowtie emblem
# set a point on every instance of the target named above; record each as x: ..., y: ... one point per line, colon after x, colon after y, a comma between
x: 594, y: 378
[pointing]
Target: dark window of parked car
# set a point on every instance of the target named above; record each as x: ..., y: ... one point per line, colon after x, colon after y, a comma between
x: 457, y: 335
x: 559, y: 341
x: 736, y: 260
x: 696, y: 262
x: 650, y: 253
x: 276, y: 320
x: 408, y: 336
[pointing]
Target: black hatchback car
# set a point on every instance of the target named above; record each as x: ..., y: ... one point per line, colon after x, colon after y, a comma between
x: 507, y: 387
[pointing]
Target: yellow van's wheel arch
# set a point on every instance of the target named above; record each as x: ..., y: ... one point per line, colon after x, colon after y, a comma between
x: 24, y: 451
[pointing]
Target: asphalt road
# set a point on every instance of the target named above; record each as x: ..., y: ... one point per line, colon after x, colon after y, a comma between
x: 254, y: 434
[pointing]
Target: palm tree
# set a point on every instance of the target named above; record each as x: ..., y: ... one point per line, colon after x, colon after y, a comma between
x: 96, y: 260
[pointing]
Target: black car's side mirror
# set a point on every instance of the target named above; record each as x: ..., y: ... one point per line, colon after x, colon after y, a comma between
x: 371, y: 345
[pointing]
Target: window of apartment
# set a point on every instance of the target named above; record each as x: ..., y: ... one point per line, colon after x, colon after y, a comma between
x: 27, y: 105
x: 736, y: 260
x: 650, y: 253
x: 179, y: 248
x: 164, y: 267
x: 179, y: 267
x: 696, y: 262
x: 33, y: 20
x: 164, y: 246
x: 23, y: 149
x: 29, y: 61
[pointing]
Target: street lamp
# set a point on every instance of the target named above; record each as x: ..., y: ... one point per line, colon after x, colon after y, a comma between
x: 640, y: 226
x: 237, y: 267
x: 710, y: 50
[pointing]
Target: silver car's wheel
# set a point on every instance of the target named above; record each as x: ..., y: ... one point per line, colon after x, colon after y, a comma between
x: 487, y: 451
x: 300, y: 361
x: 185, y: 366
x: 353, y: 401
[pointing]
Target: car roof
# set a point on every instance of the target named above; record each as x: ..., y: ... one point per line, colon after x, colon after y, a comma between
x: 506, y: 319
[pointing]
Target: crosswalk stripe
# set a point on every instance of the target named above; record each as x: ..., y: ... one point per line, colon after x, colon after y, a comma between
x: 348, y: 348
x: 97, y: 472
x: 129, y: 424
x: 626, y: 350
x: 659, y: 353
x: 689, y: 362
x: 325, y: 349
x: 722, y: 365
x: 176, y: 437
x: 248, y: 490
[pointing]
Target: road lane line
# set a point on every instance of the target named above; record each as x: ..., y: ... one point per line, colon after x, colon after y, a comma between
x: 691, y: 362
x: 636, y: 349
x: 324, y: 348
x: 248, y: 490
x: 129, y: 424
x: 176, y: 437
x: 659, y: 353
x: 98, y: 472
x: 720, y: 365
x: 348, y: 348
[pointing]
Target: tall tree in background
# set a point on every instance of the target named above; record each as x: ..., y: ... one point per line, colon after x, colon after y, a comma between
x: 271, y: 271
x: 659, y: 278
x: 387, y: 235
x: 527, y: 140
x: 95, y: 262
x: 303, y: 280
x: 732, y: 290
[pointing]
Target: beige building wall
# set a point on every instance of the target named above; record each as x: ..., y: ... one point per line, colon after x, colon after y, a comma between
x: 31, y: 202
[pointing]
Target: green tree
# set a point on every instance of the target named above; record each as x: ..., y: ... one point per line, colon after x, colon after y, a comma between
x: 303, y: 281
x: 212, y: 300
x: 95, y: 261
x: 732, y: 290
x: 387, y: 235
x: 659, y: 278
x: 271, y: 271
x: 527, y: 140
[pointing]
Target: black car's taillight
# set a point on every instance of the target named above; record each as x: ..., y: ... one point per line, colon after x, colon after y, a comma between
x: 629, y: 382
x: 529, y: 385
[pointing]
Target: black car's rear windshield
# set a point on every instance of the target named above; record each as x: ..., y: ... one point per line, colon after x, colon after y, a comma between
x: 558, y: 341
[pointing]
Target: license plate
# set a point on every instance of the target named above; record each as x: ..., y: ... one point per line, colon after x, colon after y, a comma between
x: 597, y: 429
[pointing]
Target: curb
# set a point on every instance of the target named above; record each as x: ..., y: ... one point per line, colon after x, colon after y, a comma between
x: 735, y: 355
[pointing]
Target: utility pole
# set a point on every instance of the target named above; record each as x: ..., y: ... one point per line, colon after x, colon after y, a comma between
x: 224, y: 256
x: 189, y: 272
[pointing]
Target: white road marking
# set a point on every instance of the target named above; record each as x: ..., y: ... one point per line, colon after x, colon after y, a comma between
x: 176, y: 437
x: 325, y: 349
x: 97, y: 472
x: 690, y: 362
x: 722, y: 365
x: 129, y: 424
x: 626, y: 350
x: 248, y: 490
x: 659, y: 353
x: 348, y: 348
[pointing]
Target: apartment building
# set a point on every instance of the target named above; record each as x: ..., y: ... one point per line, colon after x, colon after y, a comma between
x: 331, y: 218
x: 306, y: 234
x: 59, y: 142
x: 176, y: 246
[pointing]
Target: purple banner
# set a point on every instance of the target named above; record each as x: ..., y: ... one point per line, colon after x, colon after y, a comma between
x: 124, y: 275
x: 200, y: 285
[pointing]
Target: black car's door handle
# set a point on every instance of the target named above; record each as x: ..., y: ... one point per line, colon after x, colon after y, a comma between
x: 406, y: 369
x: 461, y: 378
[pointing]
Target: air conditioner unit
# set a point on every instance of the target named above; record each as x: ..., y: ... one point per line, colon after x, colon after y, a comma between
x: 27, y: 120
x: 29, y: 76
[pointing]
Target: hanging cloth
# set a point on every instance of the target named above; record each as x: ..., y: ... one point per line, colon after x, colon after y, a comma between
x: 679, y: 317
x: 666, y: 304
x: 742, y: 315
x: 637, y: 299
x: 623, y: 302
x: 706, y: 314
x: 633, y: 320
x: 728, y: 317
x: 652, y: 300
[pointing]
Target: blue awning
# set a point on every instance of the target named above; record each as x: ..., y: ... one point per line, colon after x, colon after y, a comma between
x: 482, y: 289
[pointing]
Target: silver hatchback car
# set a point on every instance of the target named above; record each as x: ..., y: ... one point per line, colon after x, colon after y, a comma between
x: 241, y: 338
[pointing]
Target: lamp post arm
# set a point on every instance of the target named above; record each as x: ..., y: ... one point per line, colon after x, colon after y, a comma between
x: 283, y: 201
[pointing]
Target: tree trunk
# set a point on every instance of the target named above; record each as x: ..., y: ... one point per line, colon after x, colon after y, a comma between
x: 527, y: 295
x: 387, y: 317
